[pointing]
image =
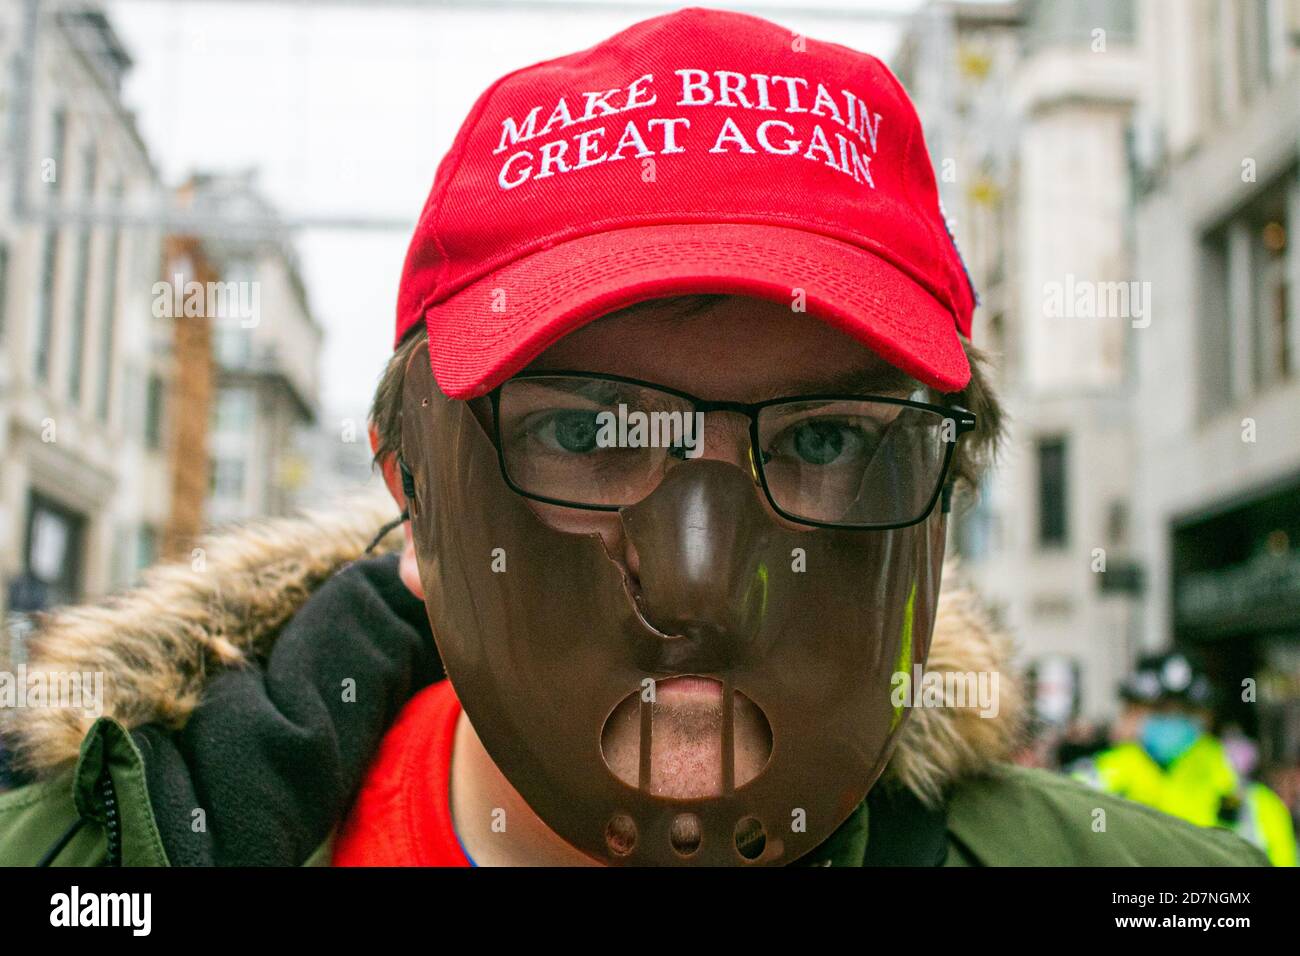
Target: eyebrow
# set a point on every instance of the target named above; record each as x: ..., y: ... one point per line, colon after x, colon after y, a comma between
x: 871, y: 381
x: 883, y: 380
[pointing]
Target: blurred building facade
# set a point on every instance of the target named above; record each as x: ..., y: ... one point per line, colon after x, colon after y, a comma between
x: 155, y: 379
x: 85, y: 365
x: 1144, y: 156
x: 1027, y: 108
x: 338, y: 452
x: 266, y: 345
x: 1218, y: 408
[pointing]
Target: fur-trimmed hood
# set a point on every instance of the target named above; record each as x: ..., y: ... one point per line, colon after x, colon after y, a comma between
x: 158, y: 644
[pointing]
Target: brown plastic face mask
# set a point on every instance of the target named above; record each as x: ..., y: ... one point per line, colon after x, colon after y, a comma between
x: 545, y: 638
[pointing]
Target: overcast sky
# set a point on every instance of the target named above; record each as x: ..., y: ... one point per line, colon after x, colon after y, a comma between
x: 346, y: 108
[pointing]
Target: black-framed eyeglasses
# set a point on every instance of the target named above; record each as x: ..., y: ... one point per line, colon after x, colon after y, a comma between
x: 603, y: 442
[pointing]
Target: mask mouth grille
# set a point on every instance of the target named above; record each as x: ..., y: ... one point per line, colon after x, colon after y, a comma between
x: 686, y: 738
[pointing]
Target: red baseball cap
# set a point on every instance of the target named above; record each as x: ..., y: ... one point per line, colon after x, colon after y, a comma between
x: 701, y: 151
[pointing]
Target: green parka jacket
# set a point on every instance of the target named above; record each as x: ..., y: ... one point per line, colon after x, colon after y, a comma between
x: 222, y: 738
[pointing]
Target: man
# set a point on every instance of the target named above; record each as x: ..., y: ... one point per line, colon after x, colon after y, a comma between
x: 1172, y: 762
x: 680, y: 398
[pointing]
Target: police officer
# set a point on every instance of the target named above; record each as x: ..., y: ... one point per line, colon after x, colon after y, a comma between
x: 1165, y: 757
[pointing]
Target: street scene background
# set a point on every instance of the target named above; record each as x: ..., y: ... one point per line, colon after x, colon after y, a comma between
x: 1120, y: 175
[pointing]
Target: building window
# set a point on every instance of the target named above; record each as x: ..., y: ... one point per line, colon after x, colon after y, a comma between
x: 53, y: 551
x: 1053, y: 493
x: 153, y: 415
x: 1253, y: 54
x: 77, y: 343
x: 45, y: 303
x: 233, y: 414
x: 1215, y: 356
x: 1117, y: 522
x: 1212, y: 52
x: 1248, y: 312
x: 146, y: 551
x: 58, y: 145
x: 227, y: 480
x: 108, y: 324
x: 1273, y: 322
x: 977, y: 530
x: 1047, y: 23
x: 4, y: 285
x: 234, y: 346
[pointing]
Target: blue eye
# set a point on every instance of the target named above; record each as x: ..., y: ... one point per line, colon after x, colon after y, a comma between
x: 819, y: 443
x: 571, y: 431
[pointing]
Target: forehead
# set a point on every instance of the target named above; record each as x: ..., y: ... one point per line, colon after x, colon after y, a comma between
x: 728, y: 347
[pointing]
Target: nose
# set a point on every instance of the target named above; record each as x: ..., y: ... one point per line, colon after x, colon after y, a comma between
x: 725, y: 437
x: 698, y: 541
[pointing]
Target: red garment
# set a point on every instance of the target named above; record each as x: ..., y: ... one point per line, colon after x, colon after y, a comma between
x: 402, y: 816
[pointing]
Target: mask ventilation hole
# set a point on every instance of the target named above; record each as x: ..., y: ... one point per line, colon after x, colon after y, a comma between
x: 685, y: 834
x: 687, y: 744
x: 751, y: 839
x: 620, y: 835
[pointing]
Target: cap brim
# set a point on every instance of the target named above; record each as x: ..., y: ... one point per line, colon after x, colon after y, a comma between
x: 493, y: 327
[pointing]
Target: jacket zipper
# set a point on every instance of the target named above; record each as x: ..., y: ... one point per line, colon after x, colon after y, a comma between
x: 112, y: 822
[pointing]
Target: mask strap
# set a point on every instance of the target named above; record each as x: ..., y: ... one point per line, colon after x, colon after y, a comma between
x: 383, y: 532
x: 408, y: 489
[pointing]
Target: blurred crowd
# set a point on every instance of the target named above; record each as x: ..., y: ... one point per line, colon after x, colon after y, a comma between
x: 1170, y: 749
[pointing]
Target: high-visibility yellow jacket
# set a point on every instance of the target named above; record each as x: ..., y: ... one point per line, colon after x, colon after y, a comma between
x: 1201, y: 787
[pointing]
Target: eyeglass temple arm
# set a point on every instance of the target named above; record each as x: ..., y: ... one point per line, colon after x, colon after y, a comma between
x: 965, y: 423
